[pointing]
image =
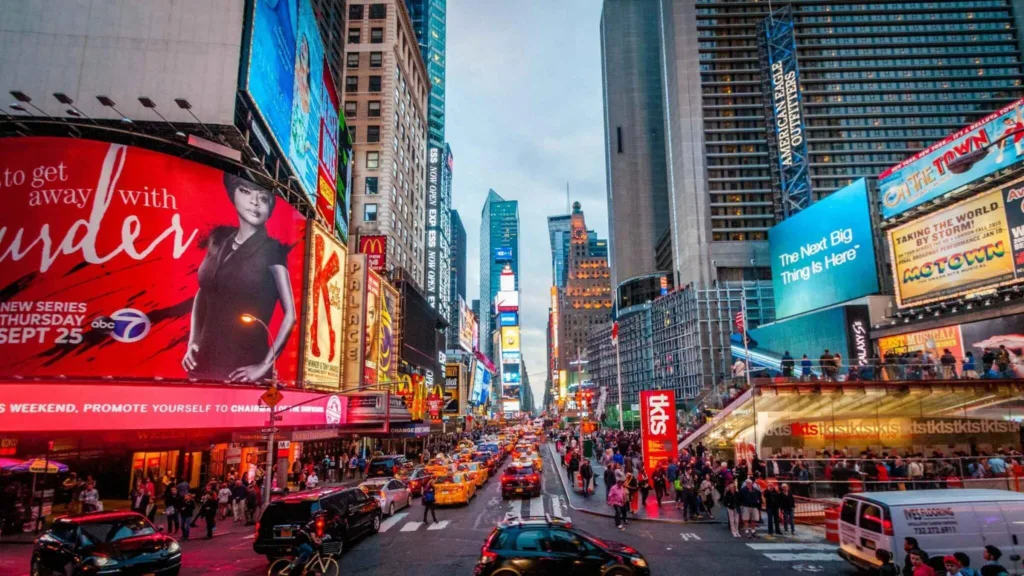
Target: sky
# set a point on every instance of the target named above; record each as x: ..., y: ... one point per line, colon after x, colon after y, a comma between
x: 524, y: 116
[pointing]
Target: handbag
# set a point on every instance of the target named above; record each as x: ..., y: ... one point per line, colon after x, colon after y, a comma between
x: 170, y: 511
x: 428, y: 497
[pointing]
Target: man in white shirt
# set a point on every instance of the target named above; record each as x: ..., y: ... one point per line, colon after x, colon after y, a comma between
x: 312, y: 480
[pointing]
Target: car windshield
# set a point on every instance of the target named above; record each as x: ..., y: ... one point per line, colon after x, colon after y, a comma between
x: 288, y: 512
x: 382, y: 464
x: 521, y: 470
x: 102, y: 532
x: 373, y: 485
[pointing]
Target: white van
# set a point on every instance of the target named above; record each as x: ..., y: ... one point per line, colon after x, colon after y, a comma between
x: 943, y: 521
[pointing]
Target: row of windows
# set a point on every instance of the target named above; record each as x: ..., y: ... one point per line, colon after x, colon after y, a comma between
x: 910, y: 17
x: 930, y: 99
x: 946, y: 40
x: 372, y: 109
x: 355, y: 35
x: 376, y: 12
x: 807, y: 76
x: 933, y: 61
x: 352, y: 59
x: 373, y: 85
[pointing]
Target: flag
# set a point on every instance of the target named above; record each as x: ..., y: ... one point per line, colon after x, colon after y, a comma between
x: 615, y: 332
x: 740, y: 321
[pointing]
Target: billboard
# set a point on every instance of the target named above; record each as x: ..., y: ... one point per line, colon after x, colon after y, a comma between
x: 511, y: 357
x: 962, y: 338
x: 387, y: 355
x: 287, y: 79
x: 845, y: 330
x: 376, y: 249
x: 371, y: 342
x: 978, y: 150
x: 819, y: 260
x: 972, y: 245
x: 790, y: 143
x: 28, y: 408
x: 343, y: 202
x: 510, y: 339
x: 502, y: 254
x: 452, y: 387
x: 324, y: 301
x: 466, y: 320
x: 658, y: 427
x: 507, y: 301
x: 355, y: 322
x: 508, y: 319
x: 110, y: 252
x: 437, y: 241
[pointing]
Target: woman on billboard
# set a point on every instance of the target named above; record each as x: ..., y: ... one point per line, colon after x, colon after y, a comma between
x: 244, y: 273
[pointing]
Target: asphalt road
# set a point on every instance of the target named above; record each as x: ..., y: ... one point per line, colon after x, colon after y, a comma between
x: 451, y: 547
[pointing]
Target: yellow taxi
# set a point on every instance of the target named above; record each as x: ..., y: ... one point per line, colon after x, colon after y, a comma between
x: 454, y: 488
x: 477, y: 472
x: 465, y: 455
x: 465, y: 445
x: 437, y: 466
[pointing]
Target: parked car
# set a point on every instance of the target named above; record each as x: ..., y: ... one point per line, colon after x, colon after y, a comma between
x: 348, y: 513
x: 417, y: 479
x: 105, y: 543
x: 520, y: 481
x: 943, y: 521
x: 387, y: 466
x: 390, y: 493
x: 552, y: 546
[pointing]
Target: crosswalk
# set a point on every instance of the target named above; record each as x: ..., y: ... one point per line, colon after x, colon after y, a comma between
x: 545, y: 504
x: 796, y: 552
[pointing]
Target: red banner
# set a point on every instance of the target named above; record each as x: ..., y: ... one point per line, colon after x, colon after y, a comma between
x: 125, y: 262
x: 658, y: 427
x: 93, y: 407
x: 376, y: 250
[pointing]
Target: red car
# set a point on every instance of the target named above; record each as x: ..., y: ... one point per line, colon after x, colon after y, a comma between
x: 520, y: 481
x: 417, y: 479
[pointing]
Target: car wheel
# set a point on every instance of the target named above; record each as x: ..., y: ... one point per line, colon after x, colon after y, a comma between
x: 391, y: 509
x: 617, y: 572
x: 376, y: 523
x: 36, y: 569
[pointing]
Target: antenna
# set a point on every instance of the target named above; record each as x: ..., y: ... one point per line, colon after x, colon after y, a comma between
x: 567, y: 208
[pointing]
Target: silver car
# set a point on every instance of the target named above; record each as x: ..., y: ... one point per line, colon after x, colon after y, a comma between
x: 390, y: 493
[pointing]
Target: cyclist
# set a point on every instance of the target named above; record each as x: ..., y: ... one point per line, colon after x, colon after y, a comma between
x: 306, y: 543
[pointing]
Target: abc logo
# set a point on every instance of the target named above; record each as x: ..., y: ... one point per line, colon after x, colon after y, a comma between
x: 129, y: 325
x: 333, y: 412
x: 103, y: 324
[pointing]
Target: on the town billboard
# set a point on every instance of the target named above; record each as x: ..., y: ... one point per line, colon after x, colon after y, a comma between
x: 287, y: 77
x: 972, y: 245
x: 982, y: 148
x: 323, y: 316
x: 818, y: 260
x: 658, y: 427
x: 387, y: 343
x: 371, y: 343
x: 115, y: 252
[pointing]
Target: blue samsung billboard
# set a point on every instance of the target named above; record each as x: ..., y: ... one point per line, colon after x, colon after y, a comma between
x: 502, y: 254
x: 291, y: 88
x: 992, y: 143
x: 824, y: 255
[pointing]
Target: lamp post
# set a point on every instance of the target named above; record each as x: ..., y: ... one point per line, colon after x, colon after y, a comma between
x: 268, y: 481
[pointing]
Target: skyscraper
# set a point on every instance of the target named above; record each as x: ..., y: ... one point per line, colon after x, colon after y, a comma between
x: 389, y: 133
x: 457, y: 276
x: 634, y: 129
x: 499, y: 245
x: 429, y: 22
x: 558, y: 231
x: 878, y: 82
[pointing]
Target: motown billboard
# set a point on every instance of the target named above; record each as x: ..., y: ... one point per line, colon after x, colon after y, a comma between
x: 779, y: 65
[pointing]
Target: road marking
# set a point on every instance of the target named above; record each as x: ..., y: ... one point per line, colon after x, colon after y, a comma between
x: 808, y: 568
x: 390, y: 522
x: 438, y: 525
x: 556, y: 507
x: 795, y: 546
x: 411, y: 527
x: 250, y: 537
x: 687, y: 536
x: 537, y: 506
x: 804, y: 556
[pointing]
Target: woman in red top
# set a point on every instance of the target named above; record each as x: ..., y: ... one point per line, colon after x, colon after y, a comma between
x: 919, y: 560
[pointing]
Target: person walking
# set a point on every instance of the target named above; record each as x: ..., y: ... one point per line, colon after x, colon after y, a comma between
x: 992, y: 566
x: 706, y: 494
x: 139, y: 498
x: 617, y: 500
x: 429, y: 501
x: 573, y: 467
x: 609, y: 479
x: 223, y: 501
x: 658, y: 479
x: 731, y: 502
x: 186, y: 511
x: 587, y: 475
x: 886, y: 567
x: 645, y: 486
x: 750, y: 508
x: 919, y: 560
x: 172, y: 504
x: 238, y: 497
x: 772, y: 505
x: 787, y: 504
x: 208, y: 510
x: 632, y: 489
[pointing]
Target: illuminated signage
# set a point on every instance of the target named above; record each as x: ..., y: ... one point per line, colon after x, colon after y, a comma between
x: 355, y: 321
x: 658, y: 427
x: 371, y: 343
x: 376, y: 249
x: 502, y: 254
x: 508, y: 319
x: 554, y: 322
x: 510, y: 339
x: 466, y: 322
x: 507, y: 301
x: 437, y: 249
x: 324, y: 303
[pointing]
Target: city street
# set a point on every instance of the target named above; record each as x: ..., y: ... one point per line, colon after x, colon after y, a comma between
x: 452, y: 546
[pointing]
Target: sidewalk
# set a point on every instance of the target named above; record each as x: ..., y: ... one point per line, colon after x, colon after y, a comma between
x: 224, y: 527
x: 595, y: 503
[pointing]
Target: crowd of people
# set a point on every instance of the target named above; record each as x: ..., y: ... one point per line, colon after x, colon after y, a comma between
x: 918, y: 563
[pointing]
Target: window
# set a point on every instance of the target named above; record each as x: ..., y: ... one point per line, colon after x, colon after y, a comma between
x: 372, y: 160
x: 371, y: 185
x: 376, y: 59
x: 374, y: 83
x: 373, y: 133
x: 564, y: 541
x: 354, y: 35
x: 351, y: 83
x: 352, y: 60
x: 350, y: 109
x: 355, y: 12
x: 871, y: 518
x: 373, y: 109
x: 378, y: 11
x: 529, y: 540
x: 376, y: 35
x: 370, y: 213
x: 848, y: 513
x: 352, y: 133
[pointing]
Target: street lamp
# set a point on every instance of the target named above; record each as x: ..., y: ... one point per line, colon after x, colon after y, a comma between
x: 268, y: 481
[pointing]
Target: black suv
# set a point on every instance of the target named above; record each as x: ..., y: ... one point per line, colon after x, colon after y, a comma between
x: 387, y: 466
x: 347, y: 512
x: 528, y: 546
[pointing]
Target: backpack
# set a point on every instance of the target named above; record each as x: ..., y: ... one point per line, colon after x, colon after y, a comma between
x: 428, y: 495
x: 678, y: 484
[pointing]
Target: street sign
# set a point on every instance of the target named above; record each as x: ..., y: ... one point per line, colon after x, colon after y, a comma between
x: 272, y: 396
x: 273, y: 430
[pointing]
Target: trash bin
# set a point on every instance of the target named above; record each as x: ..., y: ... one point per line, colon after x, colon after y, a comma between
x: 588, y: 448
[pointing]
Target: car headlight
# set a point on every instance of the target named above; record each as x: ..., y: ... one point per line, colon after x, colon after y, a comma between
x: 174, y: 547
x: 638, y: 562
x: 104, y: 561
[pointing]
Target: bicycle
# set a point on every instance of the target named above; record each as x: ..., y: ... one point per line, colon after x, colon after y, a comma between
x: 322, y: 563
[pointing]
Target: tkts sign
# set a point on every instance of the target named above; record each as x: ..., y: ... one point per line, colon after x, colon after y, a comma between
x: 658, y: 427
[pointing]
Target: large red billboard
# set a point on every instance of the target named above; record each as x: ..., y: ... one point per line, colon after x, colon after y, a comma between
x: 658, y: 427
x: 124, y: 262
x: 95, y: 407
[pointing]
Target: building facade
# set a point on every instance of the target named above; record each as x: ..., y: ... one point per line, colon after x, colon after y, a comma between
x: 499, y: 230
x: 456, y: 276
x: 634, y: 128
x: 636, y: 358
x: 429, y: 20
x: 385, y: 107
x: 558, y: 231
x: 879, y: 82
x: 330, y: 19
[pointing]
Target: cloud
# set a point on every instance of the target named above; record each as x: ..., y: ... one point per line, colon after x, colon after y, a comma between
x: 524, y: 115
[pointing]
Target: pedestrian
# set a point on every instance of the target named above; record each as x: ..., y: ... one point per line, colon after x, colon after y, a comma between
x: 750, y: 508
x: 677, y: 486
x: 886, y: 567
x: 787, y: 365
x: 186, y: 512
x: 252, y: 502
x: 992, y: 566
x: 645, y: 486
x: 139, y: 498
x: 787, y: 504
x: 658, y: 479
x: 948, y: 363
x: 572, y: 467
x: 632, y: 489
x: 805, y: 368
x: 209, y: 510
x: 172, y: 503
x: 964, y: 563
x: 609, y: 479
x: 1002, y: 359
x: 587, y: 475
x: 919, y: 560
x: 429, y: 500
x: 312, y: 480
x: 772, y: 505
x: 73, y: 486
x: 238, y: 497
x: 969, y: 368
x: 707, y: 496
x: 731, y: 502
x: 909, y: 545
x: 617, y: 500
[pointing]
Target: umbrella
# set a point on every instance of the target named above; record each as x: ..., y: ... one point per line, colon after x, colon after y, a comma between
x: 35, y: 466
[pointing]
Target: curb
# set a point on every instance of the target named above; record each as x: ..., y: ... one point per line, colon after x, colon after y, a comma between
x: 568, y: 499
